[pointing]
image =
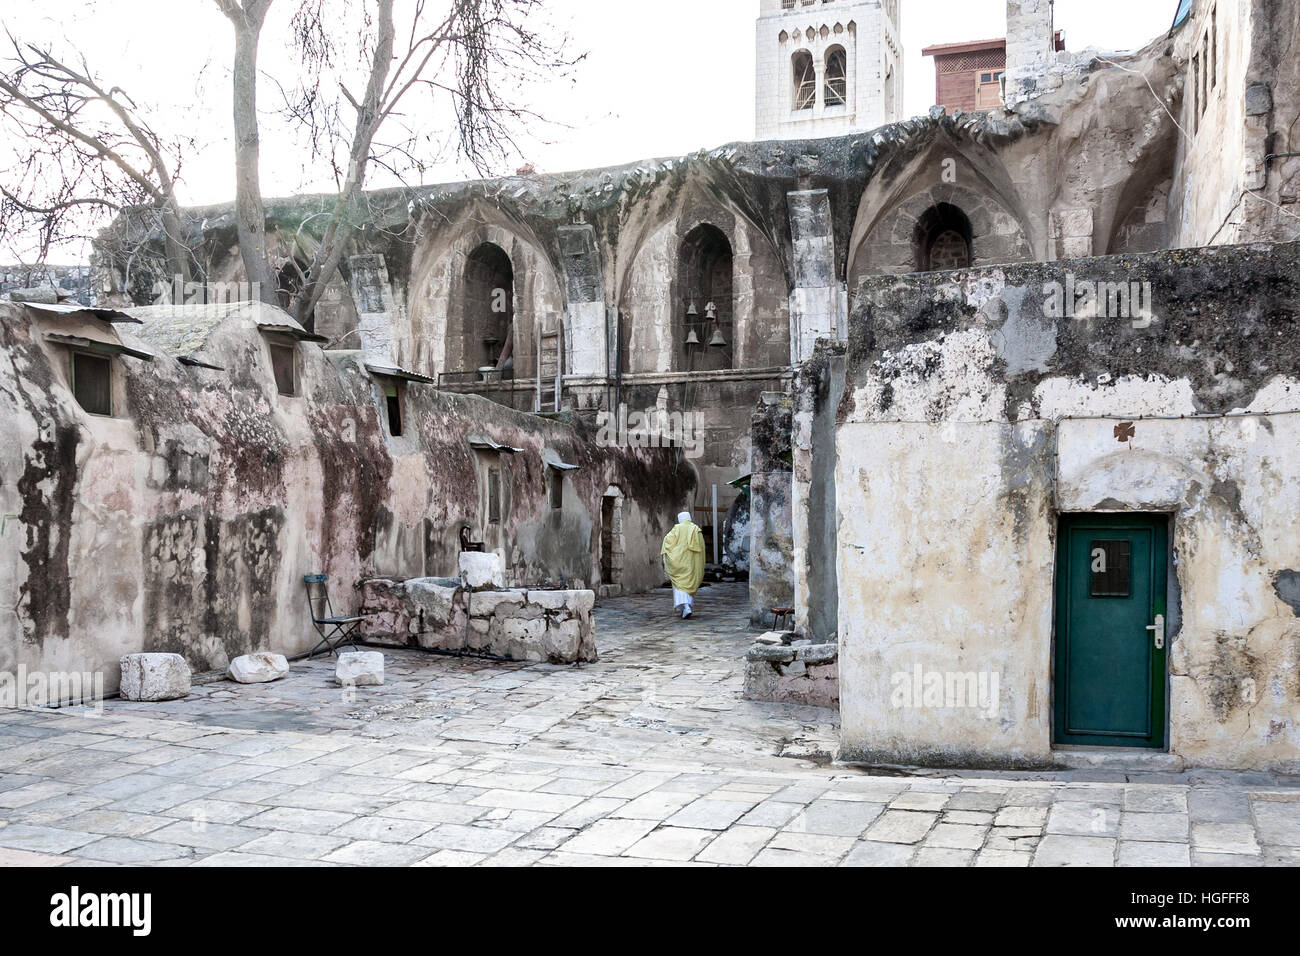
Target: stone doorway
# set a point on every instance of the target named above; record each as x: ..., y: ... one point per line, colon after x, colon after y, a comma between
x: 611, y: 542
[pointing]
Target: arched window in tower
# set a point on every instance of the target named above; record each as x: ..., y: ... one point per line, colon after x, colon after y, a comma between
x: 805, y: 81
x: 705, y: 313
x: 837, y: 77
x: 942, y: 239
x: 487, y: 313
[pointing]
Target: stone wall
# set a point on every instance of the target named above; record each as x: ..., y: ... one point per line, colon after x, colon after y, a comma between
x: 771, y: 577
x: 976, y: 412
x: 1234, y: 181
x: 784, y: 669
x: 185, y: 521
x: 73, y: 283
x: 517, y: 624
x: 818, y: 388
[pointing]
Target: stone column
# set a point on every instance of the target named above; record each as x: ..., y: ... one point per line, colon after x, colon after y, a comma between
x: 374, y: 299
x: 1031, y: 48
x: 815, y: 298
x: 585, y: 349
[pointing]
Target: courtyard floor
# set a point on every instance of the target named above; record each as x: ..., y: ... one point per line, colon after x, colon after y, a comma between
x: 648, y: 757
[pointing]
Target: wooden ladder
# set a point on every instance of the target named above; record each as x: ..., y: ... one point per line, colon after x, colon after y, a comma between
x: 550, y: 370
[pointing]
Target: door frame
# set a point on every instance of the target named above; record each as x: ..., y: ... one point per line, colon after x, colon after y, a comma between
x: 1161, y: 524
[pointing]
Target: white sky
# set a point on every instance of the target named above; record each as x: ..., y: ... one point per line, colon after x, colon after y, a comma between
x: 661, y: 78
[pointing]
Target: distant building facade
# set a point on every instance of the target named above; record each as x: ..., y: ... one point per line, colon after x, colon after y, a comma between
x: 968, y: 76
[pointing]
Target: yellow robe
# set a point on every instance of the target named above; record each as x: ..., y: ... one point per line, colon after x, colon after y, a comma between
x: 683, y: 552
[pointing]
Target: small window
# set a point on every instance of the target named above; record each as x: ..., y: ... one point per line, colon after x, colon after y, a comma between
x: 1110, y: 568
x: 92, y: 382
x: 557, y: 489
x: 282, y: 366
x: 393, y: 404
x: 494, y: 496
x: 986, y: 77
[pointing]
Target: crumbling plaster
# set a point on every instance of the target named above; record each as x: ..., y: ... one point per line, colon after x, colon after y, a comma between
x: 185, y: 522
x: 972, y: 418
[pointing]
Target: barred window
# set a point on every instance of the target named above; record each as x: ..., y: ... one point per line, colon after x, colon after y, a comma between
x: 837, y: 83
x: 805, y: 81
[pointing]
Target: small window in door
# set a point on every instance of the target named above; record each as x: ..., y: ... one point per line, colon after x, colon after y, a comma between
x: 494, y: 496
x: 393, y: 405
x: 282, y: 367
x: 1110, y: 568
x: 92, y: 382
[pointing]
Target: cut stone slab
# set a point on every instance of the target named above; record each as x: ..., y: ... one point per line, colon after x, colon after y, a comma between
x: 482, y: 570
x: 360, y: 669
x: 151, y: 677
x: 259, y: 668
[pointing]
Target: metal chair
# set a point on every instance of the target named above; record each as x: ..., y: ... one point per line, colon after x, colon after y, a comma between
x: 334, y: 631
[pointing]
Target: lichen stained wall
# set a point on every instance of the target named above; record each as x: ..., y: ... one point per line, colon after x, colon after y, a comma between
x: 975, y: 414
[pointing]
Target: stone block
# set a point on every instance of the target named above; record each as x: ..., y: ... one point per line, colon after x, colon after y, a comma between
x: 767, y: 652
x: 435, y: 597
x: 1259, y: 99
x: 581, y: 602
x: 818, y: 653
x: 482, y: 570
x: 521, y: 629
x: 259, y: 668
x: 360, y: 669
x: 493, y: 603
x: 563, y: 642
x: 154, y: 677
x: 550, y: 600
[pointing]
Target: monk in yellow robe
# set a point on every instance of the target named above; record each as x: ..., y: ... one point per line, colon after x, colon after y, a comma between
x: 683, y: 554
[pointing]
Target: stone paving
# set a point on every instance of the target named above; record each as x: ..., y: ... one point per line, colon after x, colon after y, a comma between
x: 649, y: 757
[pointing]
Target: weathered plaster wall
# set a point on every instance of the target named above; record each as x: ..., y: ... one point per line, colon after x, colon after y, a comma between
x: 185, y: 522
x: 1239, y: 111
x: 973, y: 416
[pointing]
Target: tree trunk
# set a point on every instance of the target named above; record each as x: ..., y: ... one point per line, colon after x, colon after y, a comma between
x: 250, y: 214
x: 178, y: 253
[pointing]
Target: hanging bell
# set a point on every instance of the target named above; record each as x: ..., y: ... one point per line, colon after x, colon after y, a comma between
x: 710, y: 311
x: 717, y: 339
x: 691, y: 311
x: 692, y: 338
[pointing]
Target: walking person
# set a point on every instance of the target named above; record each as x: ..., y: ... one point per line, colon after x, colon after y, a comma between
x: 683, y: 555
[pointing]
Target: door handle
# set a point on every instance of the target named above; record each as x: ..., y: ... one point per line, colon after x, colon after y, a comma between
x: 1159, y: 628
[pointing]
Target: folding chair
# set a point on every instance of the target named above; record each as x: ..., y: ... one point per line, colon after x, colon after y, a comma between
x: 334, y: 631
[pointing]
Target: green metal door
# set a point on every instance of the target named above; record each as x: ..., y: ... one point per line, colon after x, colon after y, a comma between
x: 1109, y: 685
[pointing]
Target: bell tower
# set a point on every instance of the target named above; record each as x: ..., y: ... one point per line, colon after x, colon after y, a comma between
x: 827, y: 67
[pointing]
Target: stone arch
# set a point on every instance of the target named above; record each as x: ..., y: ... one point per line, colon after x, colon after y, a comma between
x: 705, y: 298
x: 835, y: 77
x: 942, y: 239
x: 480, y: 328
x: 441, y: 299
x: 646, y: 275
x: 1138, y: 221
x: 803, y: 81
x: 947, y: 171
x: 893, y: 243
x: 612, y: 541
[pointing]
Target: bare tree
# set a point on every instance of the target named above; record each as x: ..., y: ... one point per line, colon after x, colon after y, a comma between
x: 473, y: 54
x: 82, y: 151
